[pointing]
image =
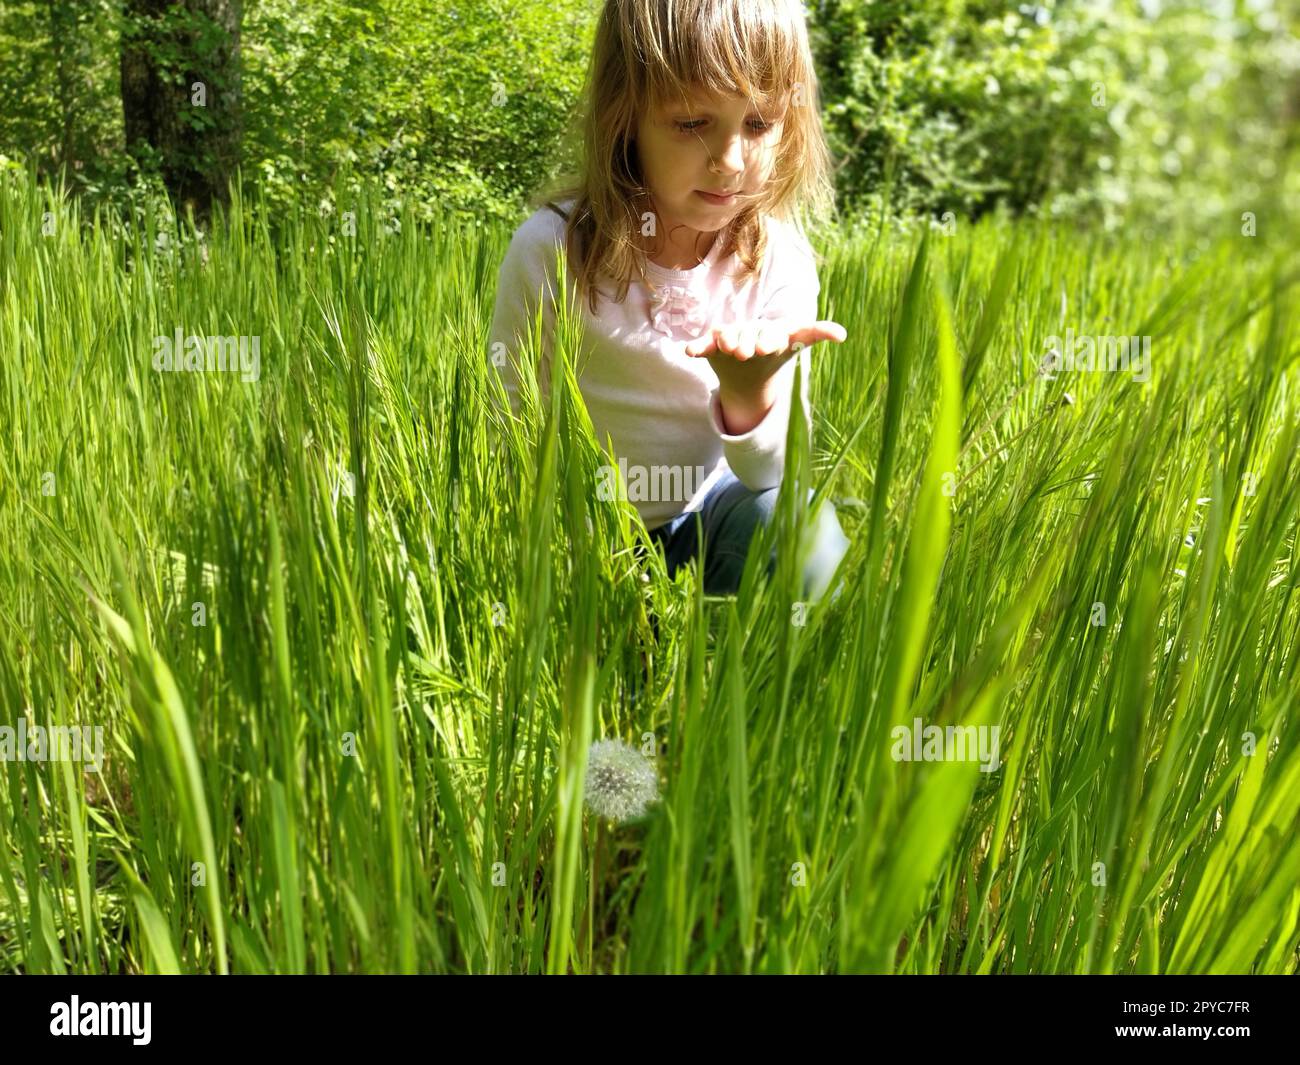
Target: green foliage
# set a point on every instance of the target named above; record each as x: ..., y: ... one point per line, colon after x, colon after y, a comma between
x: 59, y: 101
x: 1203, y: 109
x: 957, y: 105
x: 453, y: 107
x: 457, y: 107
x: 1101, y: 109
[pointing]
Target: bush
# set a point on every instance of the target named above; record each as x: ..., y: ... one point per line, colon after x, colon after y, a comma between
x: 1096, y: 109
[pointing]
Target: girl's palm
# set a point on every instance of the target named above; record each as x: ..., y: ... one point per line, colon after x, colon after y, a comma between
x: 746, y: 354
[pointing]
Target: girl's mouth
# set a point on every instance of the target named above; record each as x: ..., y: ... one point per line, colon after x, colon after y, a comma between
x: 713, y: 198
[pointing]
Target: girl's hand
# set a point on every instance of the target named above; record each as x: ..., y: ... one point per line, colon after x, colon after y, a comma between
x: 763, y: 336
x: 747, y: 354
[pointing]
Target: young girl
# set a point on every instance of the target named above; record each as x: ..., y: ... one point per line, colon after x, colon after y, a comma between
x: 696, y: 284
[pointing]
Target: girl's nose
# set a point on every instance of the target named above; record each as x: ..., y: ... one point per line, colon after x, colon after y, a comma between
x: 731, y: 160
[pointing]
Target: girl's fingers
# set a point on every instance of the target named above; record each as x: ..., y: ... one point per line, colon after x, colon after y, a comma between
x: 811, y: 334
x: 745, y: 340
x: 771, y: 339
x: 703, y: 344
x: 746, y: 336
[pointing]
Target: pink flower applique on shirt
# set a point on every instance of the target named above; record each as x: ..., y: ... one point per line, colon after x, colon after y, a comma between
x: 676, y: 307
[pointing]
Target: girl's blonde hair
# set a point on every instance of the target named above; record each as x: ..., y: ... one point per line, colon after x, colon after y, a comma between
x: 650, y: 51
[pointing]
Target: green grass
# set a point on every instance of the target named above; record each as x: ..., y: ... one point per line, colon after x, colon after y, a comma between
x: 470, y: 616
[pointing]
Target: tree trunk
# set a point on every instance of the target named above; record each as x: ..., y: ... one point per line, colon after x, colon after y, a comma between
x: 181, y: 101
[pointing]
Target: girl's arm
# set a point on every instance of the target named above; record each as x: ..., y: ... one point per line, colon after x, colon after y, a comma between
x: 757, y: 455
x: 523, y: 318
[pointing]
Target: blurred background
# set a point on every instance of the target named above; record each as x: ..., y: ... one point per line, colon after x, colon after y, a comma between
x: 1176, y: 112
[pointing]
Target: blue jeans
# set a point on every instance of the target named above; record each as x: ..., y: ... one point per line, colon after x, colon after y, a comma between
x: 728, y: 519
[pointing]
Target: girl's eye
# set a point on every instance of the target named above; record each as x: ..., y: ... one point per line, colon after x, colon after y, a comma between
x: 758, y: 126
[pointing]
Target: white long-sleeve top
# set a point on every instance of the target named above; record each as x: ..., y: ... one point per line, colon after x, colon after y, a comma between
x: 658, y: 406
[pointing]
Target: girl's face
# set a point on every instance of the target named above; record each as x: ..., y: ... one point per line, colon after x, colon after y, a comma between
x: 705, y: 144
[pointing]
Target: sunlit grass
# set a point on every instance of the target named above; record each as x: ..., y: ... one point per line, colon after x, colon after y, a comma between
x: 370, y: 755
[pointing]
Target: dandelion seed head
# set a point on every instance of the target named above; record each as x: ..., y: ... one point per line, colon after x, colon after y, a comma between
x: 621, y: 781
